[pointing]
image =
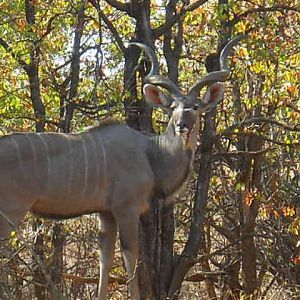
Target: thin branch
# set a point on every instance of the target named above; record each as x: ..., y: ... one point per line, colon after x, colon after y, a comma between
x: 195, y: 5
x: 49, y: 26
x: 244, y: 153
x: 162, y: 29
x: 251, y: 134
x: 109, y: 25
x: 113, y: 30
x: 9, y: 50
x: 261, y: 120
x: 119, y: 5
x: 294, y: 108
x: 13, y: 117
x: 245, y: 14
x: 93, y: 280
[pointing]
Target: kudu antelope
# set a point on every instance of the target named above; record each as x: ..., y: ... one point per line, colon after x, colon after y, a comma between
x: 113, y: 169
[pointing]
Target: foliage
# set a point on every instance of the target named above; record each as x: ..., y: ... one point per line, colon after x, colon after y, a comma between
x: 261, y: 107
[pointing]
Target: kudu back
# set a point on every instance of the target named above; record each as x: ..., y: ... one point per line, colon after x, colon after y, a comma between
x: 113, y: 169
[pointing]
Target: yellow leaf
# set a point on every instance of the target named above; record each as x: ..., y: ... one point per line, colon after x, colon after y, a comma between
x: 200, y: 10
x: 276, y: 214
x: 3, y: 5
x: 241, y: 27
x: 295, y: 226
x: 295, y: 115
x: 13, y: 234
x: 21, y: 23
x: 293, y: 90
x: 242, y: 52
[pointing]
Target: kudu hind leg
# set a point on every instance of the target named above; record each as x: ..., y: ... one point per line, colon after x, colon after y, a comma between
x: 128, y: 228
x: 108, y: 233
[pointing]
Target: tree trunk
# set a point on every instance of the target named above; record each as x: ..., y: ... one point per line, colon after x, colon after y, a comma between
x: 32, y: 70
x: 68, y: 103
x: 250, y: 177
x: 187, y: 258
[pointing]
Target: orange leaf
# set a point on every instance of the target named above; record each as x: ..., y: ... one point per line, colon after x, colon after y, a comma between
x: 292, y: 89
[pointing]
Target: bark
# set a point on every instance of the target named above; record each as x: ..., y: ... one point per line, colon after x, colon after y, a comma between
x: 209, y: 283
x: 155, y: 248
x: 250, y: 176
x: 38, y: 275
x: 68, y: 103
x: 137, y: 113
x: 209, y: 280
x: 32, y: 70
x: 166, y: 254
x: 172, y: 54
x: 187, y: 258
x: 130, y: 100
x: 56, y: 266
x: 165, y: 217
x: 147, y: 249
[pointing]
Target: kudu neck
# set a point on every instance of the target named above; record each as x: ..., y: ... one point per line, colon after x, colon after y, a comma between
x: 188, y: 143
x: 171, y: 158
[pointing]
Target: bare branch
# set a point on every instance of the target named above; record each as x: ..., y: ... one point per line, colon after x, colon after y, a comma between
x: 162, y: 29
x: 245, y: 14
x: 93, y: 280
x: 244, y: 153
x: 113, y: 30
x: 49, y: 26
x: 119, y: 5
x: 195, y: 5
x: 109, y: 25
x: 261, y: 120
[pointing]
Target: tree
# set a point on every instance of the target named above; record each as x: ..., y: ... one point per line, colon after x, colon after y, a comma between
x: 65, y: 65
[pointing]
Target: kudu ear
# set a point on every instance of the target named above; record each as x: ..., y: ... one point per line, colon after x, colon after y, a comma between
x: 155, y: 96
x: 213, y: 96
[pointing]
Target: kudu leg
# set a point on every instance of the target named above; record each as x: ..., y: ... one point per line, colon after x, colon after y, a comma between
x: 108, y: 233
x: 128, y: 228
x: 9, y: 221
x: 5, y: 229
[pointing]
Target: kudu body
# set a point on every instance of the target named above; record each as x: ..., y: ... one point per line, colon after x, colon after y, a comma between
x: 113, y: 170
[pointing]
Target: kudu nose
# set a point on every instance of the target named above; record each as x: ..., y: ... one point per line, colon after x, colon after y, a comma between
x: 181, y: 127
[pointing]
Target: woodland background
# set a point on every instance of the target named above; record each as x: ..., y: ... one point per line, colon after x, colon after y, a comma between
x: 234, y: 233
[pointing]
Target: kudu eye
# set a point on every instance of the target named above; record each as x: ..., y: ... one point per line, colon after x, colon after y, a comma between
x: 196, y: 107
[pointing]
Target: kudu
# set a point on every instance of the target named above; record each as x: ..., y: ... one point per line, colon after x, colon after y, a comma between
x: 113, y: 169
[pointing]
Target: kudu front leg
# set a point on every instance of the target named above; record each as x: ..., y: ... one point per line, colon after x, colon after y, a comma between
x: 108, y: 233
x: 5, y: 229
x: 9, y: 221
x: 128, y: 229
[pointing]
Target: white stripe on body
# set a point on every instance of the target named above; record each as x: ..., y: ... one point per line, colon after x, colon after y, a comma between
x: 95, y: 162
x: 70, y: 174
x: 20, y: 164
x: 34, y: 155
x: 85, y: 165
x: 104, y: 161
x: 41, y: 137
